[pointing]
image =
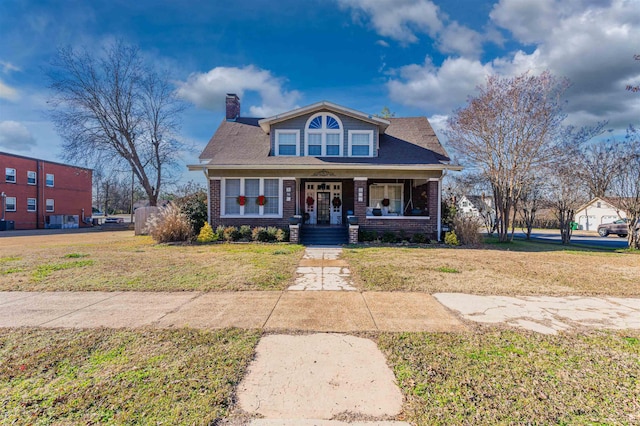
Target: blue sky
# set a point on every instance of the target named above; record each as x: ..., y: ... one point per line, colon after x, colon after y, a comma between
x: 418, y: 57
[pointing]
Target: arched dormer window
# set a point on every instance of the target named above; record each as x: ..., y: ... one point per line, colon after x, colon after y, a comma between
x: 323, y: 135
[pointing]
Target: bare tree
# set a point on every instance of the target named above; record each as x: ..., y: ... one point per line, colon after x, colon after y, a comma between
x: 530, y: 201
x: 626, y: 185
x: 567, y: 192
x: 598, y: 164
x: 113, y: 110
x: 631, y: 87
x: 509, y: 131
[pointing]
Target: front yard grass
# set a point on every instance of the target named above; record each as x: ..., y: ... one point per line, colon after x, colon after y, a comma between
x: 120, y: 377
x: 521, y: 268
x: 121, y: 261
x: 509, y: 377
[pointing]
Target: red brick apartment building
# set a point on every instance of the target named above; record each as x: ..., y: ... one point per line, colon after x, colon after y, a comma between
x: 37, y: 194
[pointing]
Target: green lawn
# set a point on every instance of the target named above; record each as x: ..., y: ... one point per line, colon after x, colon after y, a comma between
x: 120, y: 376
x: 120, y: 261
x: 509, y: 377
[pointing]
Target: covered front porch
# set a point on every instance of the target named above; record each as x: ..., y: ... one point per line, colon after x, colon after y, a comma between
x: 403, y: 204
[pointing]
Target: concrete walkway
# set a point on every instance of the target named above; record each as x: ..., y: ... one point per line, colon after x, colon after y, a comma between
x: 322, y: 269
x: 545, y: 314
x: 288, y: 310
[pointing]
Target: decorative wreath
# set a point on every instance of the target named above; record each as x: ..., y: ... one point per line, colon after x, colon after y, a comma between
x: 336, y: 202
x: 261, y: 200
x: 310, y: 200
x: 242, y: 200
x: 386, y: 202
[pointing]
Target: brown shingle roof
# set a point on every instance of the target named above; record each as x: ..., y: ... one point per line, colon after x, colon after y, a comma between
x: 407, y: 141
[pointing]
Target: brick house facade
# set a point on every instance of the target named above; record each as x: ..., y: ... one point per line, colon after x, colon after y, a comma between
x: 327, y: 165
x: 43, y: 194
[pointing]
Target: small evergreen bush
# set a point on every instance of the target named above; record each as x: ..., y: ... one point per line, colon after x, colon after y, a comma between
x: 206, y: 234
x: 389, y: 237
x: 230, y: 234
x: 245, y: 233
x: 367, y: 236
x: 451, y: 239
x: 419, y: 238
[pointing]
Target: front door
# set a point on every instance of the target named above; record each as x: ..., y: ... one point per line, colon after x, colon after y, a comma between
x: 324, y: 208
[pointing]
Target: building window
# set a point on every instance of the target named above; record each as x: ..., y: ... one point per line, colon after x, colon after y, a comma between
x: 287, y: 142
x: 10, y: 175
x: 241, y: 197
x: 50, y: 205
x: 392, y: 192
x: 361, y: 143
x: 49, y: 179
x: 31, y: 204
x: 11, y: 204
x: 599, y: 204
x: 31, y: 178
x: 323, y: 136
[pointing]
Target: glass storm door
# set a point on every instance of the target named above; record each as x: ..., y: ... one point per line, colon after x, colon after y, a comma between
x: 324, y: 208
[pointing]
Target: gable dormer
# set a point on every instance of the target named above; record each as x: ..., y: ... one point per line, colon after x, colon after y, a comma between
x: 324, y: 130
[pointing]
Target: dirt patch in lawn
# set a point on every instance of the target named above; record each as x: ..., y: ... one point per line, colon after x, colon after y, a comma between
x: 487, y: 270
x: 110, y: 261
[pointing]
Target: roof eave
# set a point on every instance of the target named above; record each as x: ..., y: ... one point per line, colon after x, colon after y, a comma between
x: 266, y: 123
x: 350, y: 166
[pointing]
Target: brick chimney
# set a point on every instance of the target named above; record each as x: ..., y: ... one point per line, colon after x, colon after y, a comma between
x: 233, y: 107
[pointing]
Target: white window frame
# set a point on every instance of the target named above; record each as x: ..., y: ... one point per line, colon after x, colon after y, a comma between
x: 277, y: 144
x: 15, y: 205
x: 8, y: 171
x: 50, y: 202
x: 261, y: 214
x: 35, y: 205
x: 386, y: 195
x: 52, y: 180
x: 31, y: 174
x: 361, y: 132
x: 324, y: 131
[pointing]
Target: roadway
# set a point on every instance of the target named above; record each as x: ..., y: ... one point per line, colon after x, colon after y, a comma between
x: 578, y: 237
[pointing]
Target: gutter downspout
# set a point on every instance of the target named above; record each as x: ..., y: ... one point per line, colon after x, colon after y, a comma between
x: 206, y: 175
x: 444, y: 172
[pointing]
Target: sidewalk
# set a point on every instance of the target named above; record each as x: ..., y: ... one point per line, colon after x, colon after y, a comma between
x: 336, y: 311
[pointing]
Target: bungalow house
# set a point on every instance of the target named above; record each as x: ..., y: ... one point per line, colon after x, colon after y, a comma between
x: 325, y: 166
x: 597, y: 212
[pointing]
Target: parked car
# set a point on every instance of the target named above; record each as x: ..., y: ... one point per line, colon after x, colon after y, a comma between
x: 620, y: 227
x: 114, y: 220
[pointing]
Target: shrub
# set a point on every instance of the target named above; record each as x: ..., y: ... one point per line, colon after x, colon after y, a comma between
x: 169, y: 225
x: 419, y: 238
x: 451, y: 239
x: 271, y: 232
x: 194, y: 206
x: 367, y: 236
x: 388, y: 237
x: 220, y: 232
x: 206, y: 234
x: 260, y: 234
x: 245, y: 233
x: 281, y: 235
x: 231, y: 233
x: 466, y: 228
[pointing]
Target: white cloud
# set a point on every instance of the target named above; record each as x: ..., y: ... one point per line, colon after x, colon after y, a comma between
x: 437, y: 89
x: 208, y: 90
x: 529, y: 20
x: 405, y: 20
x: 458, y: 39
x: 15, y: 136
x: 8, y: 67
x: 587, y: 41
x: 399, y: 20
x: 8, y: 92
